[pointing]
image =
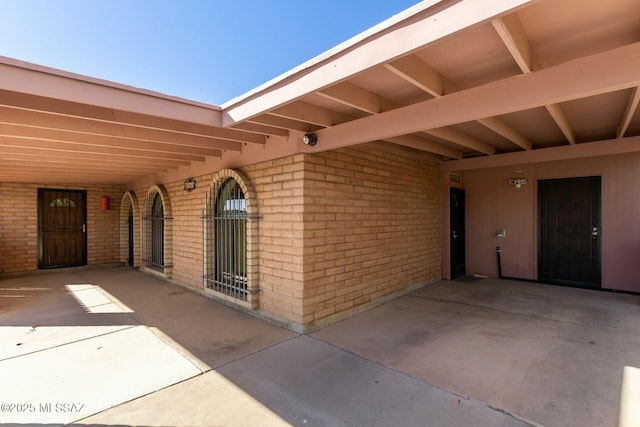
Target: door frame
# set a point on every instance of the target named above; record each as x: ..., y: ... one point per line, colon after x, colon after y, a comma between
x: 41, y: 192
x: 598, y: 275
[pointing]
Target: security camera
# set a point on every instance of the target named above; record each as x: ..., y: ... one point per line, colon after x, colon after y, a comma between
x: 310, y: 139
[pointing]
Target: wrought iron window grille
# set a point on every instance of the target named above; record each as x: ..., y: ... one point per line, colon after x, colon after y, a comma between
x: 224, y: 225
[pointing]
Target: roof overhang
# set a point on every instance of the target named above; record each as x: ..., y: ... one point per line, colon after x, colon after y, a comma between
x: 478, y: 84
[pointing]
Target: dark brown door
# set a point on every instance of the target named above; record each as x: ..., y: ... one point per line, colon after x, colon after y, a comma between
x: 62, y: 228
x: 569, y: 231
x: 456, y: 212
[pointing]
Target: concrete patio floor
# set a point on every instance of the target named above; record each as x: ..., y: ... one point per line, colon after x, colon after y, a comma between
x: 113, y: 346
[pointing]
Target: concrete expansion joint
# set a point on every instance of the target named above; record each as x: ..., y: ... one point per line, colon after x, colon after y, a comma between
x: 78, y: 421
x: 201, y: 366
x: 503, y: 411
x: 258, y: 351
x: 444, y: 389
x: 34, y: 329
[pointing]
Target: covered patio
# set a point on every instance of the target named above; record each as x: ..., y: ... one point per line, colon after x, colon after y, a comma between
x: 403, y: 156
x: 331, y: 208
x: 135, y: 350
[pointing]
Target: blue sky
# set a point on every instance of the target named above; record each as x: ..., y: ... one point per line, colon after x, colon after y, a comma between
x: 205, y: 50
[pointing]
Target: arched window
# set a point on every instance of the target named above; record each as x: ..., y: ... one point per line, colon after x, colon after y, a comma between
x: 228, y: 271
x: 230, y: 232
x: 62, y: 203
x: 157, y: 231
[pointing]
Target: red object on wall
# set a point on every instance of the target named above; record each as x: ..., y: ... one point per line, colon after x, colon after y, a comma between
x: 104, y: 203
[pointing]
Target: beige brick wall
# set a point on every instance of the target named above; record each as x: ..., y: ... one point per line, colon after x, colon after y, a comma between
x: 103, y: 227
x: 18, y: 228
x: 338, y: 230
x: 187, y: 210
x: 185, y: 239
x: 19, y: 225
x: 278, y: 185
x: 371, y: 227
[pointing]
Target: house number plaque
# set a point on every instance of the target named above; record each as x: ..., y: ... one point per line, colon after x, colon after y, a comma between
x: 189, y: 185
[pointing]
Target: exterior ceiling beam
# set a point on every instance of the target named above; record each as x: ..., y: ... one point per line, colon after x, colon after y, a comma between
x: 304, y: 112
x: 422, y: 144
x: 399, y: 38
x: 281, y: 122
x: 48, y: 121
x: 460, y: 138
x: 71, y: 109
x: 58, y: 177
x: 558, y: 116
x: 584, y: 77
x: 44, y: 174
x: 52, y: 135
x: 414, y: 70
x: 87, y: 169
x: 31, y: 152
x: 510, y: 30
x: 503, y: 129
x: 353, y: 96
x: 263, y: 129
x: 564, y: 152
x: 629, y: 111
x: 17, y: 159
x: 515, y: 39
x: 22, y: 77
x: 447, y: 134
x: 417, y: 72
x: 79, y: 148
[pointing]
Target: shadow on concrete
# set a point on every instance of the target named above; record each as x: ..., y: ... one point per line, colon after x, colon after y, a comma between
x: 487, y: 353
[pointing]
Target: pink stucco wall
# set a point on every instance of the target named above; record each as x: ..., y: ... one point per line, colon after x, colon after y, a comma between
x: 492, y: 204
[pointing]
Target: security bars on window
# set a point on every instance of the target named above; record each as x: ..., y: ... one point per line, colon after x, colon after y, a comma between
x: 225, y: 227
x: 154, y: 233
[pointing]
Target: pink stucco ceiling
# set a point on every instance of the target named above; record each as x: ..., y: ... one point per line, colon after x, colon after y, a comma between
x: 465, y: 80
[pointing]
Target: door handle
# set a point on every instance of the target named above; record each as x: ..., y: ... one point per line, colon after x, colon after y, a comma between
x: 84, y: 228
x: 594, y: 233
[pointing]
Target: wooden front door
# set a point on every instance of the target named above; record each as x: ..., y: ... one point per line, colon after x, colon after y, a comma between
x: 456, y: 215
x: 569, y: 231
x: 61, y: 228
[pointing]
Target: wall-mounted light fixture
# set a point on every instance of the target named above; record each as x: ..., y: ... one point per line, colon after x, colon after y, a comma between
x: 310, y: 139
x: 518, y: 182
x: 104, y: 203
